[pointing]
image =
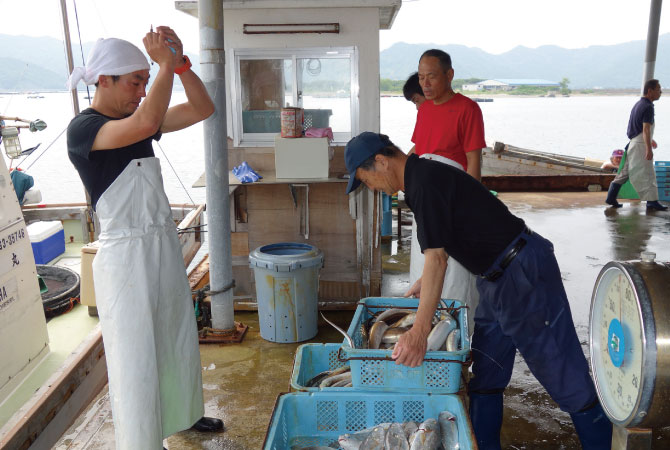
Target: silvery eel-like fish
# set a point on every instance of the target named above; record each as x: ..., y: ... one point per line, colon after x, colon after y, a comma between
x: 344, y: 333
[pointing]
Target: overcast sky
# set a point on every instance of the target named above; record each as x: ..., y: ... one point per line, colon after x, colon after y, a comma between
x: 495, y: 26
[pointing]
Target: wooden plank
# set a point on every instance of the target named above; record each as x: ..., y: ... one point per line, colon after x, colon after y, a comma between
x: 62, y: 398
x: 546, y: 183
x: 240, y: 243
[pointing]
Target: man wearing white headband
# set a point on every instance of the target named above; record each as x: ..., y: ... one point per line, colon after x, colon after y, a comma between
x: 142, y: 294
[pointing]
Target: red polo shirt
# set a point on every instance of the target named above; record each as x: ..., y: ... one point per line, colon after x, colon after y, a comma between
x: 450, y: 129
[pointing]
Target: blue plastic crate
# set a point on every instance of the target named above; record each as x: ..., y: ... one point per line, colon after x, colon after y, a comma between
x: 440, y: 372
x: 303, y: 419
x: 664, y: 193
x: 311, y: 360
x: 662, y: 164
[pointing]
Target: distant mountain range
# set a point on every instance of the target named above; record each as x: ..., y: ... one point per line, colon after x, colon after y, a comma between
x: 605, y: 66
x: 38, y: 63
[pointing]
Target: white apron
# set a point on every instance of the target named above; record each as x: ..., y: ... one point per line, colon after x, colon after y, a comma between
x: 146, y: 313
x: 459, y: 283
x: 640, y: 170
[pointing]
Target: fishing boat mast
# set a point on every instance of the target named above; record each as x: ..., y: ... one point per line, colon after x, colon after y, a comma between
x: 90, y: 221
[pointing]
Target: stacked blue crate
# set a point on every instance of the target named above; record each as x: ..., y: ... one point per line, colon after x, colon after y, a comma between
x: 382, y: 390
x: 662, y: 169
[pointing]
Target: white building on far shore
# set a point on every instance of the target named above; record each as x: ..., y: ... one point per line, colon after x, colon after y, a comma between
x: 508, y: 84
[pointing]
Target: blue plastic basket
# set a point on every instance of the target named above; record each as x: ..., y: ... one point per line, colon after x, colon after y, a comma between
x: 664, y: 193
x: 303, y: 419
x: 311, y: 360
x: 440, y: 372
x: 659, y: 164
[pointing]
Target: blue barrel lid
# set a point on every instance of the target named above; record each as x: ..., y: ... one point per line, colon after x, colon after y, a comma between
x: 285, y: 256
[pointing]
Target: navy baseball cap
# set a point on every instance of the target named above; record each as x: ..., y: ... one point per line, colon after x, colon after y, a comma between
x: 358, y: 150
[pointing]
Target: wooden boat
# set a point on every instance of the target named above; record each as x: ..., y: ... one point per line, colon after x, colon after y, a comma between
x: 509, y: 168
x: 504, y: 159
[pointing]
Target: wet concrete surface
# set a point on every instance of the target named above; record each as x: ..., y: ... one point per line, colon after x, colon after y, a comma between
x: 241, y: 381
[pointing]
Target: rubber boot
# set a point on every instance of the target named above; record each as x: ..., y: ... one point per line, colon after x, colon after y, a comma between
x: 612, y: 193
x: 486, y: 413
x: 593, y: 428
x: 654, y: 204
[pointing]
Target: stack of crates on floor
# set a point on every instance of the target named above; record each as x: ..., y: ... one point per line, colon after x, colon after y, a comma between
x: 662, y: 169
x: 382, y: 390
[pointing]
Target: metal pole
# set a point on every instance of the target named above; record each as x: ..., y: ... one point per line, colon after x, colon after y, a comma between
x: 652, y: 41
x: 212, y: 57
x: 90, y: 214
x: 68, y: 51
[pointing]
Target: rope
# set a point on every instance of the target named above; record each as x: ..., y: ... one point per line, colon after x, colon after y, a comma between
x: 43, y: 152
x: 81, y: 48
x: 175, y: 173
x: 205, y: 292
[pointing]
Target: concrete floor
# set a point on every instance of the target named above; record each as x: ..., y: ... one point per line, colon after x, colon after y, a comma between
x: 241, y: 382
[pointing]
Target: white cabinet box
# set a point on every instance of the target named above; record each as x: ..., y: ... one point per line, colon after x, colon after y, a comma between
x: 301, y: 157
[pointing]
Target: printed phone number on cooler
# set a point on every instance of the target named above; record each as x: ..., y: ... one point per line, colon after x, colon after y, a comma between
x: 12, y: 238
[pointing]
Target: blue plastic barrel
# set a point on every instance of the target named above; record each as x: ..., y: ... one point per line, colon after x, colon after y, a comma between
x: 287, y: 290
x: 387, y: 214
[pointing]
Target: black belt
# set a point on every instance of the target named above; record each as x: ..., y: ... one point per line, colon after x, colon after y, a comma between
x: 508, y: 258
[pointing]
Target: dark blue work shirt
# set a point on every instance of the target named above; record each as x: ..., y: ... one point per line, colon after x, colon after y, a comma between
x: 456, y: 212
x: 642, y: 112
x: 99, y: 169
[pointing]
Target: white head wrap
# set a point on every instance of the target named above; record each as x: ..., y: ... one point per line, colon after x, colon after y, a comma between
x: 109, y: 57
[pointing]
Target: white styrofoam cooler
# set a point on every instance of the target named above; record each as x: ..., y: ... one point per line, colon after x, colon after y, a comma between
x: 301, y: 157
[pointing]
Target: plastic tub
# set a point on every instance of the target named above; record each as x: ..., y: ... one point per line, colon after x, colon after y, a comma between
x: 303, y: 419
x: 287, y: 290
x: 311, y: 360
x: 440, y: 373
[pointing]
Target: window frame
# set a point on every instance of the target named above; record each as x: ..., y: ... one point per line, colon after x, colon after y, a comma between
x: 241, y: 139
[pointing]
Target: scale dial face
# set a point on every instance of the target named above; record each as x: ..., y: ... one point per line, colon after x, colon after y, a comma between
x: 617, y: 344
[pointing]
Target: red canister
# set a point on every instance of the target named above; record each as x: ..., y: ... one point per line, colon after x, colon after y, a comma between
x: 291, y: 122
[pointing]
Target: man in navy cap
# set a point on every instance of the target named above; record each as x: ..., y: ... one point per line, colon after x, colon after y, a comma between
x: 523, y: 304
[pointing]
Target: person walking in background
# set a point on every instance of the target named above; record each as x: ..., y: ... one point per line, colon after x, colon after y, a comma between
x: 412, y: 90
x: 143, y: 296
x: 639, y: 166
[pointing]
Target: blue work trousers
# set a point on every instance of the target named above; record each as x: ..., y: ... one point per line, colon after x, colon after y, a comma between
x: 527, y: 309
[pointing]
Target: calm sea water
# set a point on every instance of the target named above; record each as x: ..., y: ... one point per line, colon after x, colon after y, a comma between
x: 578, y: 126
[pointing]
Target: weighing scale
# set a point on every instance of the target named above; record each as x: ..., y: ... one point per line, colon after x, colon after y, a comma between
x: 630, y: 347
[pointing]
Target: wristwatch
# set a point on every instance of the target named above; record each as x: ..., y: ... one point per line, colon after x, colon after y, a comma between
x: 184, y: 67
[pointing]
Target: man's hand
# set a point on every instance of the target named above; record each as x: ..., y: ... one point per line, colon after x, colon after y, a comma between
x: 172, y: 40
x: 653, y: 144
x: 158, y: 50
x: 415, y: 290
x: 411, y: 346
x: 649, y: 154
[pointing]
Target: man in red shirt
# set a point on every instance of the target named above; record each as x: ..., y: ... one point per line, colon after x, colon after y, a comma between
x: 448, y: 124
x: 450, y: 129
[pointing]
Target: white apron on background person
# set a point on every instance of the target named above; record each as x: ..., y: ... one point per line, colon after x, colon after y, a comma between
x: 146, y: 312
x: 459, y: 283
x: 641, y: 170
